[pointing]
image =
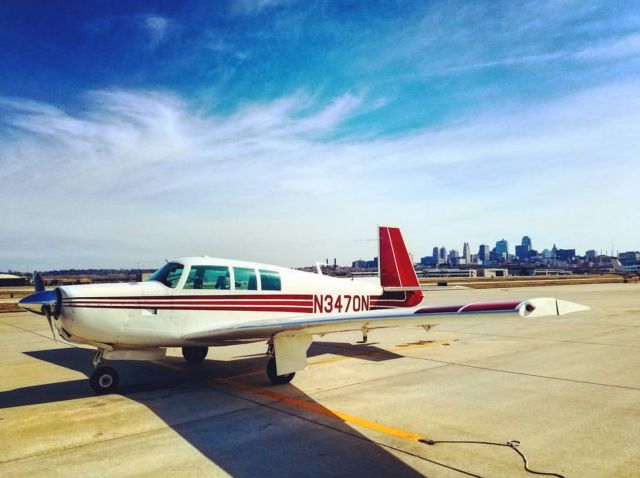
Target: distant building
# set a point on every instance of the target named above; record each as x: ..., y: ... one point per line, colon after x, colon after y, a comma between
x: 362, y: 264
x: 436, y: 253
x: 10, y: 280
x: 466, y: 253
x: 453, y: 256
x: 484, y: 253
x: 494, y: 272
x: 442, y: 254
x: 629, y: 258
x: 565, y: 254
x: 547, y: 254
x: 449, y: 273
x: 591, y: 255
x: 428, y: 261
x: 523, y: 251
x: 502, y: 249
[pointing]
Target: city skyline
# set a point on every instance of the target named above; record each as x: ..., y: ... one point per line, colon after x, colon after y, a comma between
x: 491, y: 244
x: 285, y: 131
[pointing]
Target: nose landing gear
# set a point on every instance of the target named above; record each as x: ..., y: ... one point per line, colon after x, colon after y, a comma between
x: 103, y: 379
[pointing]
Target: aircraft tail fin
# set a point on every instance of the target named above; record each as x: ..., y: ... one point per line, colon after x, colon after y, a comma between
x: 395, y: 265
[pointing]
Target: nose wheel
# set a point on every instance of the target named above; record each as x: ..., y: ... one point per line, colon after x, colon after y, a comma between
x: 104, y: 380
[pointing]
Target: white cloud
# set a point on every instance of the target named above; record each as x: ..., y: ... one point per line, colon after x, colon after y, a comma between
x: 143, y: 176
x: 253, y: 7
x: 613, y: 49
x: 157, y: 28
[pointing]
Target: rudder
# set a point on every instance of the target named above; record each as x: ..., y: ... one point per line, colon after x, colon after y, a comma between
x: 395, y: 268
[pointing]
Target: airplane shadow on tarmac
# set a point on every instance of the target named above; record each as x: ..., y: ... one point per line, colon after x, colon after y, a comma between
x: 255, y: 435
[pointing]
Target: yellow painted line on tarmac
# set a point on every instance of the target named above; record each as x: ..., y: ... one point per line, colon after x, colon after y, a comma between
x: 335, y: 359
x: 310, y: 406
x: 420, y: 344
x: 326, y: 412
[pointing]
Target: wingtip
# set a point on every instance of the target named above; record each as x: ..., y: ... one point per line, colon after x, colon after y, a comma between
x: 566, y: 307
x: 548, y: 306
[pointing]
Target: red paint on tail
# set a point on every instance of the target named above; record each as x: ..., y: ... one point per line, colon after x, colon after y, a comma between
x: 396, y: 269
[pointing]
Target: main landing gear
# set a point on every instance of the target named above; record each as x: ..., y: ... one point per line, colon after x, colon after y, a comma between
x: 272, y: 370
x: 103, y: 379
x: 194, y: 354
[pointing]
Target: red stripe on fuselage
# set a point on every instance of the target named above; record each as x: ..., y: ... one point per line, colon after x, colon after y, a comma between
x: 219, y: 308
x: 306, y: 303
x: 201, y: 296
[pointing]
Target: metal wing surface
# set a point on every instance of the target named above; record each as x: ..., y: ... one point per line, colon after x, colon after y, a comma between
x: 312, y: 324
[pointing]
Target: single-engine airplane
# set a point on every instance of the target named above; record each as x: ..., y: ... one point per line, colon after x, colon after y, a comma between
x: 197, y: 302
x: 618, y: 268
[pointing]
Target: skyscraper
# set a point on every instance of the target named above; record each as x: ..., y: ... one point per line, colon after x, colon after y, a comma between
x: 466, y: 253
x: 523, y: 251
x: 443, y: 254
x: 502, y: 249
x: 453, y: 256
x: 435, y: 254
x: 483, y: 253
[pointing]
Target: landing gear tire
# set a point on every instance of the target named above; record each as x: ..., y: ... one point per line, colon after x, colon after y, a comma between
x: 273, y: 375
x: 194, y: 354
x: 104, y: 380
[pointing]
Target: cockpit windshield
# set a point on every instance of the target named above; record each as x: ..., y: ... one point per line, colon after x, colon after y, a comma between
x: 169, y: 274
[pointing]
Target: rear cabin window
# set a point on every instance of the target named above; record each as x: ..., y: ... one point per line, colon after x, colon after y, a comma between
x: 169, y: 274
x: 245, y: 278
x: 208, y: 277
x: 270, y: 280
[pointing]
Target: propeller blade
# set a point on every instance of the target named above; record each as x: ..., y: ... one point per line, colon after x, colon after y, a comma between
x: 47, y: 312
x: 38, y: 282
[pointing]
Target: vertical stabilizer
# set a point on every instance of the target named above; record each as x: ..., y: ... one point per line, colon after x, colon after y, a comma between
x: 396, y: 268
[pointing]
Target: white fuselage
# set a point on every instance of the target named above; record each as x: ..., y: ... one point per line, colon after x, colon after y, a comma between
x: 152, y: 314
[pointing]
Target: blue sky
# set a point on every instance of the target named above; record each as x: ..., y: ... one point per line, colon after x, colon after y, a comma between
x: 284, y: 131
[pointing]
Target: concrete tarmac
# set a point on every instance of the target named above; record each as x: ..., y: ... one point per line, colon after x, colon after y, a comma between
x: 568, y: 388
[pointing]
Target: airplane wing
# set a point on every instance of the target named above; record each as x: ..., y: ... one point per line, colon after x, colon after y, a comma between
x: 292, y: 336
x: 313, y: 324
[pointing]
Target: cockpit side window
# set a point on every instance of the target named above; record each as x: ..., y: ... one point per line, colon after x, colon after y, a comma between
x: 168, y: 275
x: 270, y: 280
x: 245, y: 278
x: 208, y: 277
